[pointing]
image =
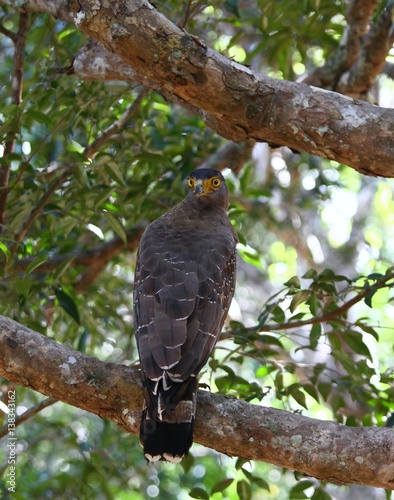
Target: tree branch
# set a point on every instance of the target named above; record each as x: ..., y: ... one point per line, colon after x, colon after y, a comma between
x: 235, y: 102
x: 326, y: 450
x: 106, y: 134
x: 96, y: 259
x: 19, y: 40
x: 231, y: 155
x: 358, y: 17
x: 329, y: 316
x: 94, y: 62
x: 93, y: 259
x: 377, y: 44
x: 28, y: 414
x: 56, y: 183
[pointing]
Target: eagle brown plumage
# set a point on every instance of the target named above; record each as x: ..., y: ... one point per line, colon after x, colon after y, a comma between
x: 184, y: 284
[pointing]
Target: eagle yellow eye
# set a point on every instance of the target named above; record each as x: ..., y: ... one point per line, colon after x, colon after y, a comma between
x: 190, y: 182
x: 215, y: 182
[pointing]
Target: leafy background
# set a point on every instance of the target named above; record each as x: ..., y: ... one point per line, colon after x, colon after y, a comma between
x: 311, y: 326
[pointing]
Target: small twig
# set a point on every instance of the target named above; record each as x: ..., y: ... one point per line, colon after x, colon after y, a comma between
x: 316, y: 319
x: 9, y: 34
x: 231, y: 155
x: 28, y: 414
x: 39, y: 207
x: 187, y: 14
x: 117, y: 125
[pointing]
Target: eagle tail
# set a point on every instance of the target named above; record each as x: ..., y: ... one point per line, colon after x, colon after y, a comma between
x: 166, y: 431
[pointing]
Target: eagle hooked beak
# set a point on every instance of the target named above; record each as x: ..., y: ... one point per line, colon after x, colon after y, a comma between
x: 198, y: 189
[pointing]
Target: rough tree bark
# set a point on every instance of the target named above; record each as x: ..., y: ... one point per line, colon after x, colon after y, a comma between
x: 236, y: 102
x: 325, y: 450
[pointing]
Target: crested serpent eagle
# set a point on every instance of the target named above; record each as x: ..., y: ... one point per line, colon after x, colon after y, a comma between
x: 184, y: 284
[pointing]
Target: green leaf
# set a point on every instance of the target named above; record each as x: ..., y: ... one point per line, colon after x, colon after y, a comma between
x: 23, y: 285
x: 311, y: 390
x: 325, y: 389
x: 293, y: 282
x: 298, y: 299
x: 232, y: 6
x: 335, y: 341
x: 278, y: 315
x: 36, y: 263
x: 250, y: 255
x: 82, y: 340
x: 81, y: 175
x: 221, y: 485
x: 68, y: 304
x: 199, y: 493
x: 355, y: 341
x: 244, y: 490
x: 117, y: 227
x: 320, y: 494
x: 310, y: 274
x: 368, y: 329
x: 315, y: 334
x: 153, y: 157
x: 298, y: 395
x: 297, y: 491
x: 5, y: 250
x: 102, y: 197
x: 262, y: 371
x: 62, y: 268
x: 270, y: 340
x: 260, y: 482
x: 375, y: 276
x: 224, y: 384
x: 368, y: 298
x: 115, y: 172
x: 313, y: 303
x: 240, y: 463
x: 329, y: 275
x: 40, y: 117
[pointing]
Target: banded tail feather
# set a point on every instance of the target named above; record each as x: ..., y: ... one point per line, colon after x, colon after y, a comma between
x: 166, y: 431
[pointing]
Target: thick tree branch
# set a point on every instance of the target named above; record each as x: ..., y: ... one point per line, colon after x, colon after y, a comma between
x: 93, y: 259
x: 377, y: 44
x: 97, y: 258
x: 358, y: 17
x: 94, y: 62
x: 326, y: 450
x: 236, y: 102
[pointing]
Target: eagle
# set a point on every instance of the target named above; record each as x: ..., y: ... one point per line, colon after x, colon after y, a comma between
x: 184, y: 283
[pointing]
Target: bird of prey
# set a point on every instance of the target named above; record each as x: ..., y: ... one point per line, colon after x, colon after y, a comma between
x: 184, y: 284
